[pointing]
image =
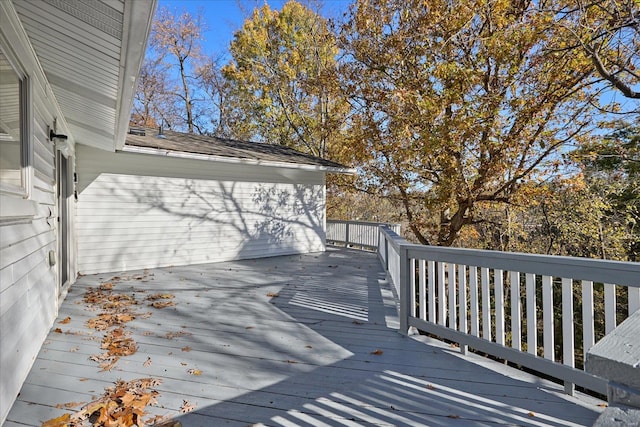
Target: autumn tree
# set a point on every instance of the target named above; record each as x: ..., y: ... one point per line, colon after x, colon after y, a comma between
x: 458, y: 103
x: 283, y: 74
x: 153, y: 103
x: 608, y: 33
x: 175, y: 41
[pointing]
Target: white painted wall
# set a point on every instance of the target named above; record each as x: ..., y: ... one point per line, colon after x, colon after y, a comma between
x: 143, y: 211
x: 28, y: 284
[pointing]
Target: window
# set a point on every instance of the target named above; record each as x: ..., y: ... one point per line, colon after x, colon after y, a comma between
x: 13, y: 129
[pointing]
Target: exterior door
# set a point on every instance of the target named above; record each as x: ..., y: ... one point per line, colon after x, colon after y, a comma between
x: 64, y: 195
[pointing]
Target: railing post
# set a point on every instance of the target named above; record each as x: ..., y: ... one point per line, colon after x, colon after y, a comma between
x: 405, y: 290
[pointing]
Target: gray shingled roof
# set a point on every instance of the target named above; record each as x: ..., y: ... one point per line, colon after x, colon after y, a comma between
x: 229, y: 148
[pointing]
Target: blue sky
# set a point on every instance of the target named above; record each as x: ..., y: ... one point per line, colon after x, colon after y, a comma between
x: 224, y: 17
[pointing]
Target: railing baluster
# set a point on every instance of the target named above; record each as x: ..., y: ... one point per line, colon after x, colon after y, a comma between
x: 462, y: 301
x: 473, y: 288
x: 547, y: 317
x: 442, y: 297
x: 412, y: 288
x: 486, y: 304
x: 431, y: 266
x: 422, y: 291
x: 516, y: 311
x: 532, y: 314
x: 451, y: 282
x: 499, y: 302
x: 588, y: 335
x: 567, y: 329
x: 609, y: 307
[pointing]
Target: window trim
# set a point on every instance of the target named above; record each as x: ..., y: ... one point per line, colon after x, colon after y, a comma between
x: 26, y: 151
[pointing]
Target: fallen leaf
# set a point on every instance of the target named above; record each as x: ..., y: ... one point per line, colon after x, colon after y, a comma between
x: 307, y: 346
x: 430, y: 387
x: 69, y: 405
x: 159, y: 296
x: 57, y: 330
x: 106, y: 286
x: 377, y: 352
x: 195, y: 371
x: 83, y: 379
x: 162, y: 304
x: 65, y: 320
x: 61, y: 421
x: 603, y: 405
x: 186, y: 407
x: 187, y: 348
x: 273, y: 294
x: 453, y: 416
x: 147, y: 363
x: 357, y: 322
x: 249, y: 327
x: 531, y: 414
x: 74, y: 349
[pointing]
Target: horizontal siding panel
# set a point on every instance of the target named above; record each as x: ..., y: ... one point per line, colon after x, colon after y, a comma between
x: 30, y: 273
x: 12, y: 234
x: 14, y: 253
x: 127, y: 218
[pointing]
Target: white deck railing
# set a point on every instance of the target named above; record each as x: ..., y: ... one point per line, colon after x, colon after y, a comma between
x: 483, y: 299
x: 466, y: 296
x: 361, y: 234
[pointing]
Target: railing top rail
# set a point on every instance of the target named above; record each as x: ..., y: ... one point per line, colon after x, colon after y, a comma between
x: 596, y: 270
x: 344, y: 221
x: 393, y: 237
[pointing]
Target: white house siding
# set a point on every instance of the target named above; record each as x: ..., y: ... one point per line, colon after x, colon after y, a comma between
x: 28, y: 284
x: 143, y: 211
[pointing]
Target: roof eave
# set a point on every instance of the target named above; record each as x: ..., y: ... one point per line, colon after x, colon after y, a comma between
x: 138, y: 17
x: 236, y: 160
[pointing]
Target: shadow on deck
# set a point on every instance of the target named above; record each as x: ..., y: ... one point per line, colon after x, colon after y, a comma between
x: 287, y: 341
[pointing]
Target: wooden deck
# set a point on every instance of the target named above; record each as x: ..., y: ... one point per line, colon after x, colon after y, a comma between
x: 286, y: 341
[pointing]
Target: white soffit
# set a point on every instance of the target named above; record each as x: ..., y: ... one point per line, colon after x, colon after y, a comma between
x: 91, y: 52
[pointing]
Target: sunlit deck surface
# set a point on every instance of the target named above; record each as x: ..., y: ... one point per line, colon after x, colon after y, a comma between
x: 324, y: 352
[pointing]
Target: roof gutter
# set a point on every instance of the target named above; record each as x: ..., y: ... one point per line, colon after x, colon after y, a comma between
x: 236, y: 160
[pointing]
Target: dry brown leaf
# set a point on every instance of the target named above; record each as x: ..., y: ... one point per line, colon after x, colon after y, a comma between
x: 195, y: 371
x: 431, y: 387
x: 182, y: 363
x: 69, y: 405
x: 65, y: 320
x: 61, y: 421
x: 186, y: 407
x: 159, y: 296
x: 57, y: 330
x: 106, y: 286
x: 162, y: 304
x: 147, y: 363
x: 453, y: 416
x: 603, y: 405
x: 187, y: 348
x: 249, y: 327
x: 83, y: 379
x: 74, y: 349
x: 273, y: 294
x: 172, y: 335
x: 377, y: 352
x: 307, y: 346
x: 531, y: 414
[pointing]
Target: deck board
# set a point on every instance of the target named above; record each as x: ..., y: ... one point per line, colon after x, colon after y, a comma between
x: 304, y: 357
